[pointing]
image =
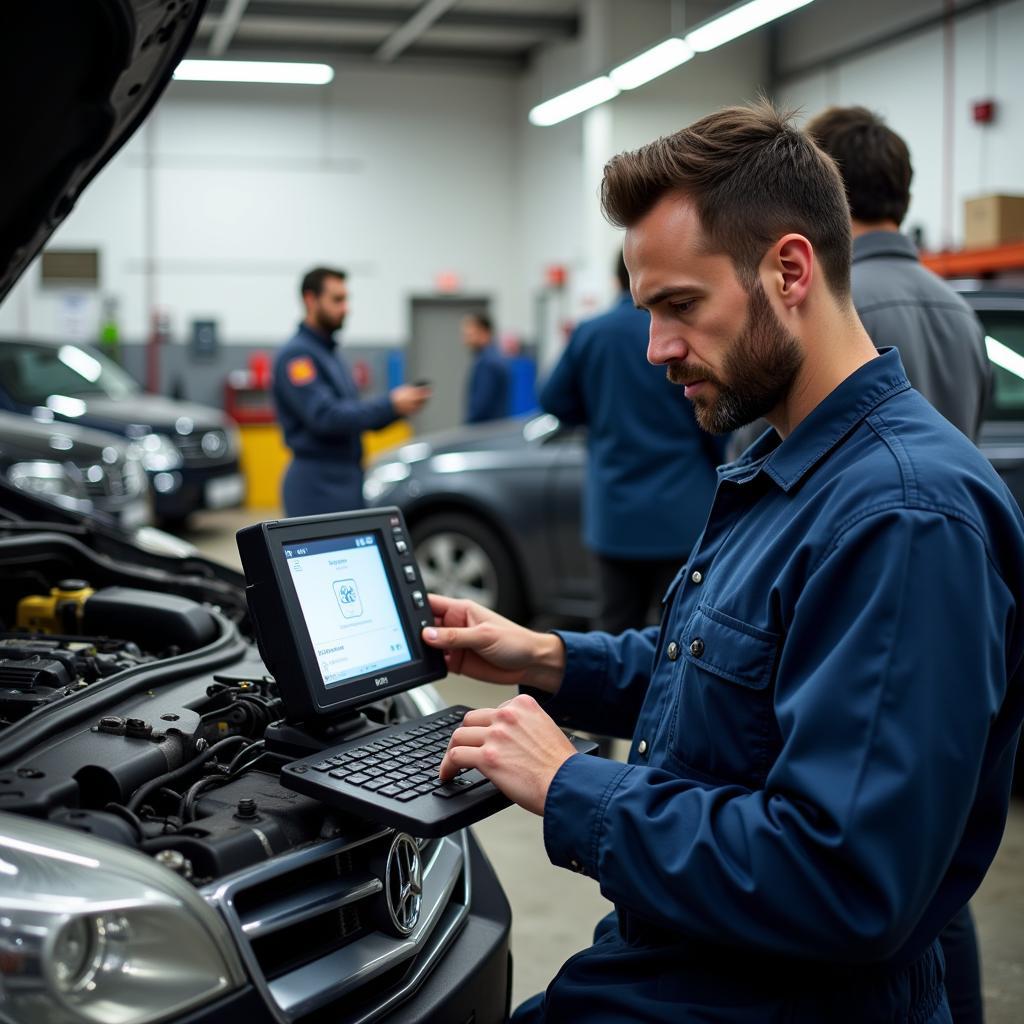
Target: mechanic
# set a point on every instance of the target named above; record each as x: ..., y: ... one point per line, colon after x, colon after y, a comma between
x: 488, y: 384
x: 319, y: 407
x: 650, y: 469
x: 823, y: 729
x: 942, y: 345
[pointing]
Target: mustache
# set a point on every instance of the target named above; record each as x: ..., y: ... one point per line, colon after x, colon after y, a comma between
x: 681, y: 373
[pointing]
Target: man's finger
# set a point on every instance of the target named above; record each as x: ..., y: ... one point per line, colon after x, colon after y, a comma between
x: 468, y: 737
x: 459, y: 757
x: 453, y: 637
x: 478, y: 717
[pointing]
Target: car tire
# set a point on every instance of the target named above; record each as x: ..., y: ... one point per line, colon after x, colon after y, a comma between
x: 461, y: 557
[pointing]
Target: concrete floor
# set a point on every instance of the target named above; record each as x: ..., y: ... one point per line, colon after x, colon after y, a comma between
x: 555, y: 910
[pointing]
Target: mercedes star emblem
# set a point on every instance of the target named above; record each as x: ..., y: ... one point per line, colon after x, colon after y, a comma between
x: 403, y: 881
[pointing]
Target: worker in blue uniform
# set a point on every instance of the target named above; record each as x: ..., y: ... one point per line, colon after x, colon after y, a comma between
x: 488, y: 385
x: 823, y: 727
x: 650, y: 469
x: 319, y: 407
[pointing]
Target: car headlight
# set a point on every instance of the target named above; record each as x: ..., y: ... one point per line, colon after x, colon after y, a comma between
x: 382, y: 478
x: 45, y: 476
x: 158, y: 453
x: 91, y: 932
x: 234, y: 440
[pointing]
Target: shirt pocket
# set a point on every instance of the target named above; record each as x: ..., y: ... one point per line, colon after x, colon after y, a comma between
x: 723, y: 723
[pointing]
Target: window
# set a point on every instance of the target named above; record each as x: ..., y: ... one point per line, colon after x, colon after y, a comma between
x: 33, y: 373
x: 1004, y: 338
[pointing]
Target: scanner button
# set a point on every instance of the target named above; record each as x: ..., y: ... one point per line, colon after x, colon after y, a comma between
x: 410, y: 572
x: 400, y: 546
x: 418, y: 599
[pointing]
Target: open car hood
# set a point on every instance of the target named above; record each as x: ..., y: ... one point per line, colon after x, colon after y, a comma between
x: 77, y: 77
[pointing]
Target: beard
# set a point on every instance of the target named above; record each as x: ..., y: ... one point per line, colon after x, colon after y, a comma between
x: 329, y: 324
x: 760, y: 368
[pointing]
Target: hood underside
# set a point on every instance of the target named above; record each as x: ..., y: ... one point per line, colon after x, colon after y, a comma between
x: 77, y: 77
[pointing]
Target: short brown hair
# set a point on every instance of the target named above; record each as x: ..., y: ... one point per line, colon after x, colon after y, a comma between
x: 752, y: 176
x: 313, y: 280
x: 873, y: 160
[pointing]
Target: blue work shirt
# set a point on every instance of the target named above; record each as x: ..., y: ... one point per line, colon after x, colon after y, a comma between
x: 823, y: 730
x: 650, y: 468
x: 323, y: 417
x: 487, y: 389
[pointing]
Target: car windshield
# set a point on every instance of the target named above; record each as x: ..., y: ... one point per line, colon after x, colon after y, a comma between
x: 1004, y: 339
x: 34, y: 373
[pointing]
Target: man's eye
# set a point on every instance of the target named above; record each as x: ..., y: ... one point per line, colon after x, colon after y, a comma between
x: 683, y: 307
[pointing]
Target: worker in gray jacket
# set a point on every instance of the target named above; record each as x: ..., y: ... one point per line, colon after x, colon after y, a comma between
x: 900, y: 302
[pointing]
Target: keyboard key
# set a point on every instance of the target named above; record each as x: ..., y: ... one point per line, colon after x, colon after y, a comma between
x: 358, y: 779
x: 375, y: 784
x: 323, y: 766
x: 389, y: 791
x: 461, y: 784
x: 409, y: 794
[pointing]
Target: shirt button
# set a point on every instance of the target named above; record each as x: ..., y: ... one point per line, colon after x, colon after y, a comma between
x: 697, y: 647
x: 672, y: 651
x: 697, y: 576
x: 641, y: 747
x: 574, y: 864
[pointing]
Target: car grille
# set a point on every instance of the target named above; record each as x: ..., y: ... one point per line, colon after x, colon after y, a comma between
x: 306, y: 924
x: 203, y: 446
x: 119, y: 480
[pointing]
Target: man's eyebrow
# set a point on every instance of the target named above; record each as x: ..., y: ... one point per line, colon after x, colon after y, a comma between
x: 665, y: 293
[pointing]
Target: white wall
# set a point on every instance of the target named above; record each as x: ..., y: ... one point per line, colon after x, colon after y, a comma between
x: 236, y: 190
x: 905, y: 82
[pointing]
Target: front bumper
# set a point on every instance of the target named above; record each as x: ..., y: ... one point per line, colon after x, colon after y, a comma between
x: 197, y: 488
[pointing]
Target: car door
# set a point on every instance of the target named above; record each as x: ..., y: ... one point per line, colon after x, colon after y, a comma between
x: 1002, y: 432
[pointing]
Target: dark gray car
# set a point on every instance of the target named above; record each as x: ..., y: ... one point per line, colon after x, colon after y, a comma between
x: 87, y: 471
x: 494, y: 511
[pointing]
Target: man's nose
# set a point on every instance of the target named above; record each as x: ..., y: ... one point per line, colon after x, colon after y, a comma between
x: 663, y: 345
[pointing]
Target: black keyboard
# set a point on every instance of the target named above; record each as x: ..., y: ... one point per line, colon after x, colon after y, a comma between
x: 390, y: 776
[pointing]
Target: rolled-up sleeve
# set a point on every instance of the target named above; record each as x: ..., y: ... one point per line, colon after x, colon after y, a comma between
x: 891, y: 675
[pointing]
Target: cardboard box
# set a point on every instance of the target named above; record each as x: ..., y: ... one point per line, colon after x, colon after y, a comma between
x: 993, y: 220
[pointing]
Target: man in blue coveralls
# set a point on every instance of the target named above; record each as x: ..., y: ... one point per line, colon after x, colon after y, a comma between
x: 823, y: 727
x: 319, y: 407
x: 487, y: 387
x: 650, y: 469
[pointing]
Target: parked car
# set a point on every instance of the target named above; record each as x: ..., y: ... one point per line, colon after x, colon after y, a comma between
x: 494, y: 511
x: 88, y: 471
x: 189, y: 451
x: 152, y: 867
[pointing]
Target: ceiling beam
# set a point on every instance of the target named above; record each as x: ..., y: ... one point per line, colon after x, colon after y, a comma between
x: 405, y: 35
x: 226, y: 27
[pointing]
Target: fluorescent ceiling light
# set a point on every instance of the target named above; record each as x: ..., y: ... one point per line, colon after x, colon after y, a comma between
x: 738, y: 21
x: 574, y: 102
x: 275, y: 72
x: 651, y: 63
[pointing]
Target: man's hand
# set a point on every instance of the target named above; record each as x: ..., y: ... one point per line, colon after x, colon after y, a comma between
x: 517, y: 746
x: 483, y: 644
x: 408, y: 399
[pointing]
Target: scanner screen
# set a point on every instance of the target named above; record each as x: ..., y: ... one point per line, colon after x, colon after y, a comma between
x: 348, y: 604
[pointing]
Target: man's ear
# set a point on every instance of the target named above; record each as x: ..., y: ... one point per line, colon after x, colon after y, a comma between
x: 790, y: 267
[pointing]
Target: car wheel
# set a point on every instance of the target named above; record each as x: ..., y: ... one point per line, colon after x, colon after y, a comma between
x: 460, y: 557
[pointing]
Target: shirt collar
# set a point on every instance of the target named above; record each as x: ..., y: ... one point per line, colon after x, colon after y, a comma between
x: 883, y: 243
x: 823, y: 429
x: 324, y: 339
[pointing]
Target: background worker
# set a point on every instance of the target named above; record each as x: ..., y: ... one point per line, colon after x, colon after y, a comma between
x: 650, y: 469
x: 319, y: 407
x: 489, y: 383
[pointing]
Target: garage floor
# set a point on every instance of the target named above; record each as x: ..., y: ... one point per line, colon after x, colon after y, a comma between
x: 555, y: 910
